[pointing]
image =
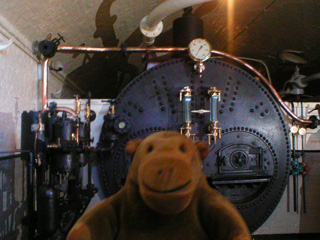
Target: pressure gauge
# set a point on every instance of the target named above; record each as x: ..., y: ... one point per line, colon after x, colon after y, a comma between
x: 199, y: 49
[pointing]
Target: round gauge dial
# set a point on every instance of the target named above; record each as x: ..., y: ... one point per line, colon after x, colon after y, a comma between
x: 199, y: 49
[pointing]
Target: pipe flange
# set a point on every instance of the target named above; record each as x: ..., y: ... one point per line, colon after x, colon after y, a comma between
x: 148, y: 32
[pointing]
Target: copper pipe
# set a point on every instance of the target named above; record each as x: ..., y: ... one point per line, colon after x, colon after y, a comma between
x: 118, y: 49
x: 44, y: 107
x: 64, y: 109
x: 68, y: 110
x: 183, y: 49
x: 45, y: 64
x: 267, y: 84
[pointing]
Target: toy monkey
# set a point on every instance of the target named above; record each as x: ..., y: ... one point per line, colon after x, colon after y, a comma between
x: 166, y: 197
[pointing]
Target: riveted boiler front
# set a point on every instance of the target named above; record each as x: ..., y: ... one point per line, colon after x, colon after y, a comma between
x: 249, y: 164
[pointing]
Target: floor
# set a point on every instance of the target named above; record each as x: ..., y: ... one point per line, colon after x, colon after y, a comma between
x: 300, y: 236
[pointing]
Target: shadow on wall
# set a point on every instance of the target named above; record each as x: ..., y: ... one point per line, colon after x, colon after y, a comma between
x: 13, y: 205
x: 106, y: 74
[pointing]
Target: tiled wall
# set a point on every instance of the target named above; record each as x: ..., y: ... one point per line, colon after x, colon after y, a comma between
x: 19, y: 91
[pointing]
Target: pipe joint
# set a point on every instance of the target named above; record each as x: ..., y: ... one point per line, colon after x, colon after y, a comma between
x: 150, y: 33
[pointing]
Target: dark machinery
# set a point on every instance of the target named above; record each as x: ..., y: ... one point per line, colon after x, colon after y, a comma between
x: 57, y: 192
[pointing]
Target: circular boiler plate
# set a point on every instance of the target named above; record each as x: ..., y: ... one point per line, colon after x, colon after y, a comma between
x: 249, y: 164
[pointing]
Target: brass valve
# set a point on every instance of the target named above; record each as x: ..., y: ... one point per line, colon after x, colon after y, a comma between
x: 214, y: 92
x: 214, y: 132
x: 77, y: 105
x: 186, y: 130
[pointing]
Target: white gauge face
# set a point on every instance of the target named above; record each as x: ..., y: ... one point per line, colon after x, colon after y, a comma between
x: 199, y: 49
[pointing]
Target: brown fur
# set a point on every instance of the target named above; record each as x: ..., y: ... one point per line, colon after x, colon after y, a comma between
x: 166, y: 196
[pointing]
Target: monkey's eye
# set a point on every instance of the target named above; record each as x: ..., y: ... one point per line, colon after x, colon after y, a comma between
x: 150, y: 148
x: 182, y: 148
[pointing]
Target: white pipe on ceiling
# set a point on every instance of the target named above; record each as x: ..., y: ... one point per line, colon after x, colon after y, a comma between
x: 151, y: 25
x: 4, y: 45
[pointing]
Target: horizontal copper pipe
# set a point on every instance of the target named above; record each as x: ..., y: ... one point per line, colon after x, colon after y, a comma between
x: 119, y: 49
x: 184, y: 49
x: 68, y: 110
x: 64, y: 109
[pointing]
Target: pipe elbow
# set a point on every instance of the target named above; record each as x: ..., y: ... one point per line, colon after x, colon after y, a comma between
x: 151, y: 25
x: 150, y: 32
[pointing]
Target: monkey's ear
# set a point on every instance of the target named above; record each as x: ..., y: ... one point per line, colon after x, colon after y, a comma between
x: 132, y: 146
x: 203, y: 149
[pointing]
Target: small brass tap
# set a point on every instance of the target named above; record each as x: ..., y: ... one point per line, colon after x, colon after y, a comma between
x: 186, y: 130
x: 215, y: 132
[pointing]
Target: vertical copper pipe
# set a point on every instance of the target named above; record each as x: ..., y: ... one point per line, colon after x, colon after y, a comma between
x: 45, y: 80
x: 45, y: 64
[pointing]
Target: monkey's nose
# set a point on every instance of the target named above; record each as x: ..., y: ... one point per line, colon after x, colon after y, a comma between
x: 164, y: 175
